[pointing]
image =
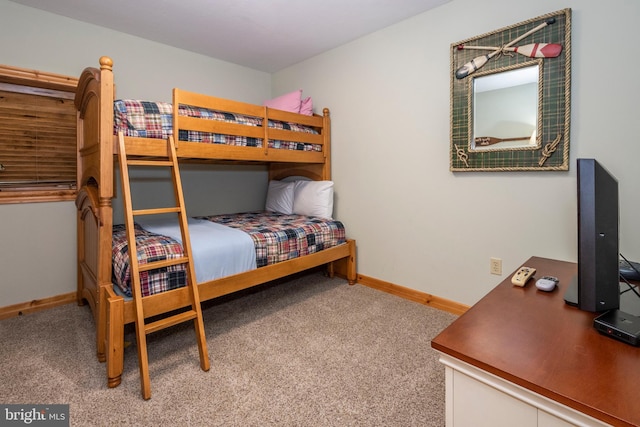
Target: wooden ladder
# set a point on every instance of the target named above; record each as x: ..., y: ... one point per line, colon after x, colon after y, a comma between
x: 195, y: 312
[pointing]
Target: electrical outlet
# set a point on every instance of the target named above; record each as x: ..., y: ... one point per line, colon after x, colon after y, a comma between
x: 496, y: 266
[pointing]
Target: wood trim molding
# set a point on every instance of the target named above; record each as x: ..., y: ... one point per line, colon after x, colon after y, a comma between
x: 400, y: 291
x: 36, y: 305
x: 414, y: 295
x: 27, y: 77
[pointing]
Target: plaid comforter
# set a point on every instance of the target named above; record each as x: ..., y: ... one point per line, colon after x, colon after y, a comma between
x: 154, y: 120
x: 150, y: 247
x: 277, y: 237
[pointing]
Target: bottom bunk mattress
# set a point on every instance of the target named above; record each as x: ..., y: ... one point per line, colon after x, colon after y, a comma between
x: 222, y: 245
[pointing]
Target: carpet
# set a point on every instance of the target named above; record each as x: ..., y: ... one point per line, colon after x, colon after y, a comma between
x: 303, y: 351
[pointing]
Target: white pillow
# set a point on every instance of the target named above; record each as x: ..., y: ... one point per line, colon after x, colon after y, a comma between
x: 313, y: 198
x: 280, y: 197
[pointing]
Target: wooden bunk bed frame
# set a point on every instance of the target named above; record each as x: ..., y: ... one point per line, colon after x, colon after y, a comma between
x: 97, y: 146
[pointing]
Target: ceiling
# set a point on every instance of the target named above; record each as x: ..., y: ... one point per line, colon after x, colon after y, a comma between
x: 265, y: 35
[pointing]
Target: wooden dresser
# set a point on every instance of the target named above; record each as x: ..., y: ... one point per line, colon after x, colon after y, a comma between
x: 523, y: 357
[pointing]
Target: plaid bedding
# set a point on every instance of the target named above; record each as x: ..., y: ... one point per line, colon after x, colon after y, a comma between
x: 150, y: 247
x: 146, y: 119
x: 277, y: 238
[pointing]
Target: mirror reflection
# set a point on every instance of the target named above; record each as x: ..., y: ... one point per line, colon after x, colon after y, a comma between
x: 505, y: 109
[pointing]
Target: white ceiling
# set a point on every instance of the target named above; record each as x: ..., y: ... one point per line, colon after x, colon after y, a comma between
x: 266, y: 35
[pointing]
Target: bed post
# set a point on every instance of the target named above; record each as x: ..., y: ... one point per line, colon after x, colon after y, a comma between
x: 106, y: 194
x: 346, y: 267
x: 115, y: 340
x: 94, y: 102
x: 326, y: 134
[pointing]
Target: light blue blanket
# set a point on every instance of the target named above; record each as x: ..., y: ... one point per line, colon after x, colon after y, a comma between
x: 218, y: 250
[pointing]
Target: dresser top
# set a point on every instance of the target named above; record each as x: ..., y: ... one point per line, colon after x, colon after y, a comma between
x: 534, y: 339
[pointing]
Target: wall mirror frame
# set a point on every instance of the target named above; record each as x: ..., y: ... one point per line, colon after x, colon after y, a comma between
x: 532, y: 131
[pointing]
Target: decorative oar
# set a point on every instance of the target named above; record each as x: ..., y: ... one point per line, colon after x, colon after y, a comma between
x: 483, y: 141
x: 478, y: 62
x: 533, y: 50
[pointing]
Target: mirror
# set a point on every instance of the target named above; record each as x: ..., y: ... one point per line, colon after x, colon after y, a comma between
x: 510, y: 97
x: 504, y: 109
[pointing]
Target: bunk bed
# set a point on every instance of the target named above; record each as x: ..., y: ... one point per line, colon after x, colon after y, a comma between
x: 269, y: 144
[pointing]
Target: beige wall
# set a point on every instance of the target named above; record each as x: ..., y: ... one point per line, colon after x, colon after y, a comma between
x: 418, y: 224
x: 38, y: 241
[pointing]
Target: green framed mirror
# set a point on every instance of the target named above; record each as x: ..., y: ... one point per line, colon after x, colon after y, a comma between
x: 510, y: 97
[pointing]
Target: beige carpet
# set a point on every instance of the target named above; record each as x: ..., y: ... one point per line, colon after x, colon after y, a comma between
x: 307, y: 351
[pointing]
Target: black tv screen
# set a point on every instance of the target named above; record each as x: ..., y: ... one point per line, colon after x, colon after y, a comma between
x: 598, y: 238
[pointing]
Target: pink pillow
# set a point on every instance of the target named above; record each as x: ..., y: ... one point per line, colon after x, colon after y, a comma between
x: 287, y: 102
x: 306, y: 106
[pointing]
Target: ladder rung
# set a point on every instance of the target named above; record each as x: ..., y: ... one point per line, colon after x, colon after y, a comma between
x: 163, y: 263
x: 165, y: 163
x: 170, y: 321
x: 156, y: 211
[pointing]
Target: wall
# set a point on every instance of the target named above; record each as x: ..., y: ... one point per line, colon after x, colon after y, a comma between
x: 38, y: 241
x: 416, y: 223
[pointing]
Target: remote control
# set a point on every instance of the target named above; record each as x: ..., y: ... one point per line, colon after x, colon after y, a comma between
x: 522, y: 275
x: 547, y: 283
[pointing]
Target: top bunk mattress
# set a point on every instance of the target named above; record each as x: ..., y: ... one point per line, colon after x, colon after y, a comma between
x: 146, y: 119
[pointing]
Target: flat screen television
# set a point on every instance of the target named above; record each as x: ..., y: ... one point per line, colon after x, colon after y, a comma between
x: 596, y: 287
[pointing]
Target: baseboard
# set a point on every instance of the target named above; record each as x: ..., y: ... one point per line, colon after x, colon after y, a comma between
x: 400, y: 291
x: 413, y: 295
x: 36, y: 305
